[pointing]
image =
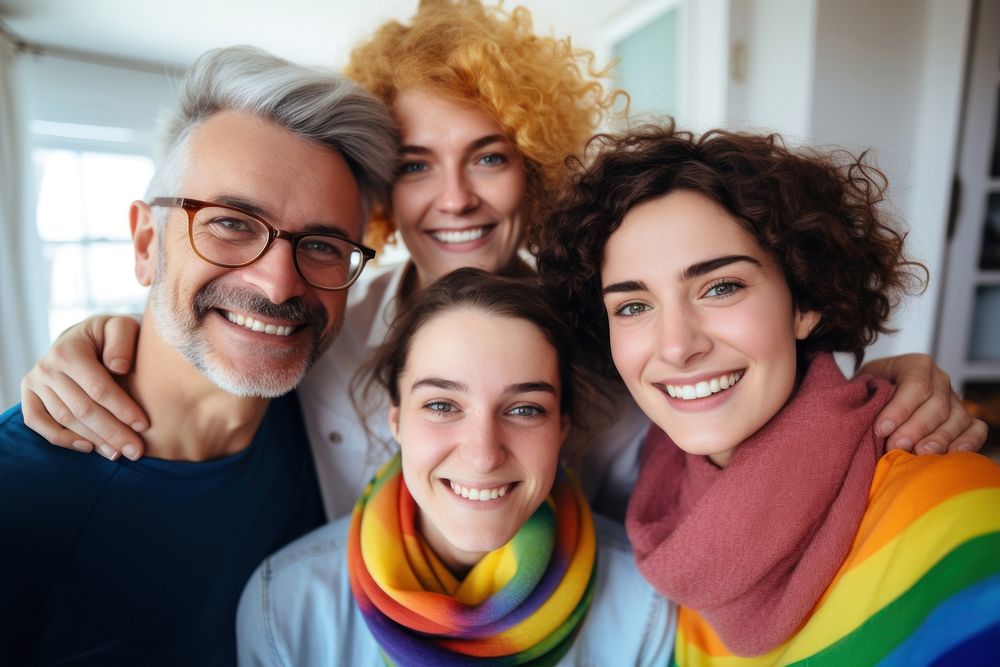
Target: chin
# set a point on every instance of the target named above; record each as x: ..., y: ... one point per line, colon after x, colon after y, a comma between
x: 259, y: 384
x: 702, y: 448
x: 482, y: 542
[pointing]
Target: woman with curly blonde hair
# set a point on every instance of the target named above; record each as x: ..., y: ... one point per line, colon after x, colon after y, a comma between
x: 488, y: 113
x: 540, y: 92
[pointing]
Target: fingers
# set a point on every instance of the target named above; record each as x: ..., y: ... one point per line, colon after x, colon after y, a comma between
x: 944, y: 437
x: 120, y: 336
x: 916, y: 410
x: 922, y: 402
x: 57, y: 420
x: 75, y: 354
x: 930, y: 416
x: 37, y: 418
x: 972, y: 439
x: 85, y: 414
x: 69, y: 395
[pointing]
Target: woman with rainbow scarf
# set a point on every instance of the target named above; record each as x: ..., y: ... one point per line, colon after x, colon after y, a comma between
x: 471, y: 545
x: 718, y: 274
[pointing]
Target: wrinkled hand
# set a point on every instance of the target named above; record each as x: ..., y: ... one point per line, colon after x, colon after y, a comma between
x: 925, y: 415
x: 71, y: 399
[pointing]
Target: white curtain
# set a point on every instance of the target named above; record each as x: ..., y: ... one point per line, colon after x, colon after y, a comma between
x: 15, y: 346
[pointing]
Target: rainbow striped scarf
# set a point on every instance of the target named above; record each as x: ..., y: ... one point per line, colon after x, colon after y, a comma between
x: 920, y: 584
x: 520, y: 605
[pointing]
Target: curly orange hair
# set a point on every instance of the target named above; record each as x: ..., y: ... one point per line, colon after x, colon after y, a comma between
x: 542, y: 91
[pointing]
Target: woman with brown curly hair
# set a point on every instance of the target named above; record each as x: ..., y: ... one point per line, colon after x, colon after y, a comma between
x: 717, y: 275
x: 489, y: 112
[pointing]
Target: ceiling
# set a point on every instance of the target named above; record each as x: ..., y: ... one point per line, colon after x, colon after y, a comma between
x: 162, y: 34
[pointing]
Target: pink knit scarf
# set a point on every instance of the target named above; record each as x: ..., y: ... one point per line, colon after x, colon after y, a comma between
x: 752, y: 547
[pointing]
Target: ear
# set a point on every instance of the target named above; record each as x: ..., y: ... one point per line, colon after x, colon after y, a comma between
x: 805, y: 321
x: 394, y: 421
x: 567, y: 426
x: 144, y: 241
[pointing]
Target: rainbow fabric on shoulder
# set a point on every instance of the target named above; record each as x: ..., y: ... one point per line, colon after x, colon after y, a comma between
x: 920, y: 585
x: 522, y: 604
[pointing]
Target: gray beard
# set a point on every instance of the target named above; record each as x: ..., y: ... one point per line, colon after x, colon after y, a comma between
x: 182, y: 329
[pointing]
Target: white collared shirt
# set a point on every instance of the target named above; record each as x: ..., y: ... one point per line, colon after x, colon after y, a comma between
x: 345, y: 460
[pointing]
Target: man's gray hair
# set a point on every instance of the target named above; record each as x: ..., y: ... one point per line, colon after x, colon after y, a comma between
x: 316, y: 104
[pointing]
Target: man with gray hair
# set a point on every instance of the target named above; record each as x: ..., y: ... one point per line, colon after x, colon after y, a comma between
x: 249, y: 238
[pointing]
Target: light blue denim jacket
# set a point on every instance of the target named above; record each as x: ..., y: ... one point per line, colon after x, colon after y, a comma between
x: 297, y: 609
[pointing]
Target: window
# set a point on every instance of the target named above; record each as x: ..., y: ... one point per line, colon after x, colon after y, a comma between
x: 82, y: 220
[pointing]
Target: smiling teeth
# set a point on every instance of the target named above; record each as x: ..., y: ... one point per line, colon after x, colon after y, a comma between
x: 479, y: 494
x: 689, y: 392
x: 255, y: 325
x: 459, y: 236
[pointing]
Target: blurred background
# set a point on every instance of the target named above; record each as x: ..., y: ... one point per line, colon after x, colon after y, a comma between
x: 917, y: 81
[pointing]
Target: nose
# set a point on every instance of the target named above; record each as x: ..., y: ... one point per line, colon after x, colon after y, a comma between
x: 483, y: 449
x: 275, y: 275
x: 457, y: 194
x: 682, y: 338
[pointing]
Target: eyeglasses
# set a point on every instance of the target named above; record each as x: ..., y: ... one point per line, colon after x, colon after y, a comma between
x: 232, y: 238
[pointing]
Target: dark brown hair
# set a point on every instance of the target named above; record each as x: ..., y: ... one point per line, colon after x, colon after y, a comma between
x: 819, y: 214
x: 516, y: 297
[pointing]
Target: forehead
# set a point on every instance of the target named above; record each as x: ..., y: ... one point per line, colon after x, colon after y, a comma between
x: 682, y: 227
x: 466, y: 343
x: 294, y: 180
x: 426, y: 118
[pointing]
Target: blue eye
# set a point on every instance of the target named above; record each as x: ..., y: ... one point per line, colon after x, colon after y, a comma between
x: 493, y: 159
x: 631, y: 309
x: 526, y: 411
x: 321, y: 246
x: 229, y: 229
x: 412, y: 168
x: 723, y: 288
x: 442, y: 407
x: 227, y: 224
x: 231, y: 223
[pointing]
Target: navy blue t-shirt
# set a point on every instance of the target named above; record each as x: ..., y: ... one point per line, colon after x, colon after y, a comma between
x: 122, y: 563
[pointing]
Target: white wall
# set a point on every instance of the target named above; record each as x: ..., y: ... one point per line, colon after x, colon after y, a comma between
x: 947, y: 36
x: 882, y: 74
x: 889, y: 76
x: 778, y: 39
x: 705, y: 80
x: 103, y: 95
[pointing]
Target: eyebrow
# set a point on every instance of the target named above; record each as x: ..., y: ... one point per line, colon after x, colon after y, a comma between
x: 475, y: 145
x: 261, y: 212
x: 624, y: 286
x: 438, y: 383
x: 693, y: 271
x: 701, y: 268
x: 516, y: 388
x: 528, y: 387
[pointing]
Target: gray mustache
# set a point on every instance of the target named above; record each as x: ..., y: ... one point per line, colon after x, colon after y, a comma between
x: 295, y: 309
